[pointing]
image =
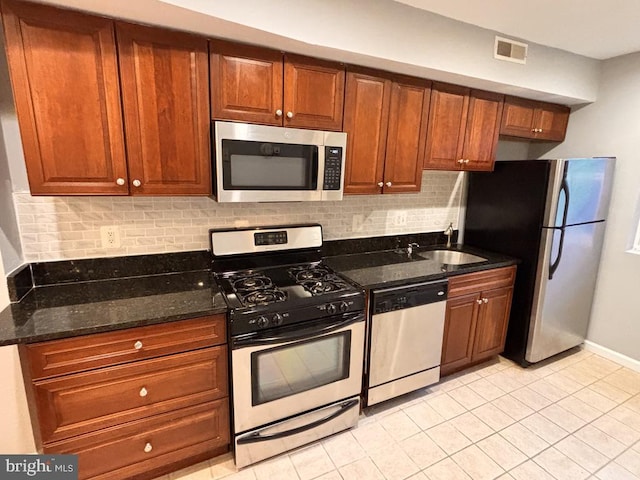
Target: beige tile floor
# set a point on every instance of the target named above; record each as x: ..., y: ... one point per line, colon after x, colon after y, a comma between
x: 577, y: 417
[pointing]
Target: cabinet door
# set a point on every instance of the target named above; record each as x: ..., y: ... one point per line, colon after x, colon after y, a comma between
x: 518, y: 117
x: 483, y: 128
x: 313, y: 93
x: 64, y: 74
x: 246, y: 83
x: 447, y: 123
x: 493, y: 318
x: 552, y: 120
x: 459, y: 328
x: 366, y: 116
x: 165, y: 97
x: 407, y: 135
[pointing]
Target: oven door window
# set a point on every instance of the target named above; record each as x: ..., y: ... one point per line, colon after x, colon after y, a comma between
x: 286, y: 370
x: 268, y: 166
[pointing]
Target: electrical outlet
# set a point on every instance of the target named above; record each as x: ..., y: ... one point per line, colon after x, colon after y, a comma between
x: 399, y: 218
x: 110, y: 235
x: 357, y: 223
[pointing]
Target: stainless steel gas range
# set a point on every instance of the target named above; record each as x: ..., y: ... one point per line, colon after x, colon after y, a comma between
x: 297, y: 333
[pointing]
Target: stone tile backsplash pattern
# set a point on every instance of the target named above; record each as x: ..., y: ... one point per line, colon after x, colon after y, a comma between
x: 55, y: 228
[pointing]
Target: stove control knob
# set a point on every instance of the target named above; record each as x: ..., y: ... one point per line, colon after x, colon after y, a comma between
x: 277, y: 320
x: 263, y: 322
x: 344, y: 307
x: 332, y: 309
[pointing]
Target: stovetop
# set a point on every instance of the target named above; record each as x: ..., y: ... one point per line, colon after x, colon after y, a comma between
x: 268, y: 297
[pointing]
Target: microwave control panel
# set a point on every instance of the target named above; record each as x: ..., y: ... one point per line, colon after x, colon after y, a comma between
x: 332, y: 168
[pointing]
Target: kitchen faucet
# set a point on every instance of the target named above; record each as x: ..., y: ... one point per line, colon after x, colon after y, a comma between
x: 448, y: 232
x: 410, y: 248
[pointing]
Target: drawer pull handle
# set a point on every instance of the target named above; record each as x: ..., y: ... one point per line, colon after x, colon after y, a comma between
x: 137, y: 345
x: 485, y: 300
x: 148, y: 448
x: 143, y: 392
x: 479, y: 301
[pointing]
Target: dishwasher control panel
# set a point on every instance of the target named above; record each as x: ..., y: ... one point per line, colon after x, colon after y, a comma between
x: 408, y: 296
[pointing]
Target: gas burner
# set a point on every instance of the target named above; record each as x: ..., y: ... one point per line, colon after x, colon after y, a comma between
x: 306, y: 273
x: 264, y: 297
x: 252, y: 282
x: 331, y: 283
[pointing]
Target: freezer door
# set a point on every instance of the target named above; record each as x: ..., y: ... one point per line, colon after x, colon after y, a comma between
x: 565, y: 282
x: 585, y: 189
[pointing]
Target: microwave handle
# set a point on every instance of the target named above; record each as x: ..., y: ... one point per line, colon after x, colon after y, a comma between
x: 257, y: 437
x: 268, y: 338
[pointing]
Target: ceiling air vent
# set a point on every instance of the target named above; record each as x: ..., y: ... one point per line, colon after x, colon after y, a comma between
x: 510, y: 50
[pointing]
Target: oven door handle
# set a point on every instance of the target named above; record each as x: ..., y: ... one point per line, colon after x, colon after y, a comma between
x: 269, y: 338
x: 258, y: 437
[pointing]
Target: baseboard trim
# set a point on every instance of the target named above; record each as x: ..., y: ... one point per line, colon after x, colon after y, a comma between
x: 612, y: 355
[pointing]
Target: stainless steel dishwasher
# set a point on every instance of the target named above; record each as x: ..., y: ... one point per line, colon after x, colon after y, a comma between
x: 407, y: 325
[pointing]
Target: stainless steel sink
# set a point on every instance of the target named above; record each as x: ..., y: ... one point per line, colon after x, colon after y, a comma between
x: 451, y: 257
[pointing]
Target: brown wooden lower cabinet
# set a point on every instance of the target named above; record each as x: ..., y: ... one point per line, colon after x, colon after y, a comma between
x: 477, y: 316
x: 152, y: 446
x: 136, y: 403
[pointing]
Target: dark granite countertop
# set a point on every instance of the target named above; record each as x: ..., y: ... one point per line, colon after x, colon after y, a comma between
x: 79, y: 297
x: 70, y: 309
x: 390, y: 268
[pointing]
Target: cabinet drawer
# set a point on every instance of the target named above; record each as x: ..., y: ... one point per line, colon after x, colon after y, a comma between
x: 102, y: 398
x: 479, y: 281
x: 71, y: 355
x: 152, y: 446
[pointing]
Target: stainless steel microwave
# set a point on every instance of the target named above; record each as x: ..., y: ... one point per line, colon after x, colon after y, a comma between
x: 258, y: 163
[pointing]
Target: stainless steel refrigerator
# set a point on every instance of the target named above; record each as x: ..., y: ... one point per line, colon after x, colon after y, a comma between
x: 551, y: 214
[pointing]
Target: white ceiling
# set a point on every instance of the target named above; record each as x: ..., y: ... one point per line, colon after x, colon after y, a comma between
x: 594, y: 28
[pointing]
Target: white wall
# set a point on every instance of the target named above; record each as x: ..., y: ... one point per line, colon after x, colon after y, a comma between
x: 15, y: 427
x: 377, y: 33
x: 611, y: 127
x: 11, y: 158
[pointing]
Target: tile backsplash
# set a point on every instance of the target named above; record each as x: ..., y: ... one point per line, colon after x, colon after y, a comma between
x: 55, y: 228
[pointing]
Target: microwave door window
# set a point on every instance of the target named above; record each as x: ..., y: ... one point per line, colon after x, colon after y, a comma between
x: 269, y: 166
x: 266, y: 172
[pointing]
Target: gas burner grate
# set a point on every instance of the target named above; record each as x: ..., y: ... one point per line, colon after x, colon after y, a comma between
x: 264, y: 297
x: 256, y: 289
x: 251, y: 282
x: 317, y: 279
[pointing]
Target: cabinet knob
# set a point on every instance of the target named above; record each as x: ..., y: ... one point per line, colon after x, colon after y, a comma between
x: 137, y: 183
x: 278, y: 113
x: 381, y: 184
x: 539, y: 130
x: 120, y: 181
x: 485, y: 300
x: 289, y: 114
x: 143, y: 392
x: 461, y: 160
x: 388, y: 184
x: 137, y: 345
x: 148, y: 447
x: 479, y: 301
x: 466, y: 160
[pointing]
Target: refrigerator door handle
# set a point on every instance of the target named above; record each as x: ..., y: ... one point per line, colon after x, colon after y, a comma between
x: 553, y: 266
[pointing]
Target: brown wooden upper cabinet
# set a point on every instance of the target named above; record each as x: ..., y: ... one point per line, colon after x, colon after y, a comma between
x: 534, y: 120
x: 386, y: 123
x: 257, y: 85
x: 463, y: 127
x: 64, y: 74
x: 69, y: 83
x: 165, y: 97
